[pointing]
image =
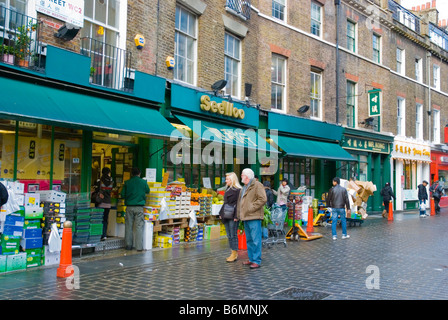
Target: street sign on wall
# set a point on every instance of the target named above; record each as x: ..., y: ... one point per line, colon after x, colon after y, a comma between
x: 70, y: 11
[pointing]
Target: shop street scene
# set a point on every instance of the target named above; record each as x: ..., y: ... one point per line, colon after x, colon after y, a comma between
x: 408, y: 256
x: 150, y: 149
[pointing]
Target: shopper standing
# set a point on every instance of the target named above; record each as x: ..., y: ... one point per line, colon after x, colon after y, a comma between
x: 230, y: 201
x: 104, y: 186
x: 437, y: 192
x: 422, y: 197
x: 269, y: 194
x: 338, y: 202
x: 387, y: 194
x: 250, y: 210
x: 282, y: 193
x: 134, y: 192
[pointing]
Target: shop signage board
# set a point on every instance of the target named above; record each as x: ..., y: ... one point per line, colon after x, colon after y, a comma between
x: 407, y: 149
x: 70, y: 11
x: 374, y: 103
x: 356, y: 143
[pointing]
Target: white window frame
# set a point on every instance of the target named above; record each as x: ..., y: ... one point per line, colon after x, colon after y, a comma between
x: 318, y: 22
x: 275, y: 83
x: 316, y: 113
x: 419, y: 121
x: 418, y: 69
x: 194, y: 38
x: 401, y: 116
x: 375, y: 50
x: 281, y: 3
x: 436, y: 126
x: 354, y: 104
x: 436, y: 76
x: 234, y: 58
x: 401, y: 61
x: 355, y: 36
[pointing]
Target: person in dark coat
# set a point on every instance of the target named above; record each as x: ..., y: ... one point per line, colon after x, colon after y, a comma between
x: 387, y: 194
x: 269, y: 194
x: 231, y: 198
x: 422, y: 197
x: 105, y: 185
x: 437, y: 191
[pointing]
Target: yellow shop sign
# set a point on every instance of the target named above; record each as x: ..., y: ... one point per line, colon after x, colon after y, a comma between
x: 224, y: 108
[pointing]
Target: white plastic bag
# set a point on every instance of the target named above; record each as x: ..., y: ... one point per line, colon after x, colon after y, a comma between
x: 163, y: 215
x: 193, y: 222
x: 422, y: 206
x: 12, y: 205
x: 54, y: 241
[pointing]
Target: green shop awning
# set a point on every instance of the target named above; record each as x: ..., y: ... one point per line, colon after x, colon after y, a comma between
x: 313, y: 149
x: 227, y: 134
x: 31, y: 102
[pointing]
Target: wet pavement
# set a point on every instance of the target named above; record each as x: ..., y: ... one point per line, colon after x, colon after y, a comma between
x: 404, y: 259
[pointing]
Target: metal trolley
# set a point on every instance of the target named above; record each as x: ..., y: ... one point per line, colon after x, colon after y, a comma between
x: 276, y: 229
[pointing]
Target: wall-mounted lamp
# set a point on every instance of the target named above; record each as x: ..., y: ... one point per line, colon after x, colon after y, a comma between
x: 218, y: 85
x: 303, y: 109
x: 429, y: 113
x: 67, y: 32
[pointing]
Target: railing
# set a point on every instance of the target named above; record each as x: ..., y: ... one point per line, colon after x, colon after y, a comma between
x: 241, y: 7
x: 438, y: 36
x: 404, y: 16
x: 19, y: 40
x: 110, y: 66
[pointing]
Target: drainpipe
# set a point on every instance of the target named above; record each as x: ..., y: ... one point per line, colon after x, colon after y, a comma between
x: 157, y: 36
x: 337, y: 3
x: 428, y: 66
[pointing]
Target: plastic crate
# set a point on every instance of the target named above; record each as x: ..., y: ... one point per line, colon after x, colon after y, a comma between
x: 94, y: 239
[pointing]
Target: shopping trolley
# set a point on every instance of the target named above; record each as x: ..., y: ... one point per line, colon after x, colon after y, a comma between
x: 276, y: 229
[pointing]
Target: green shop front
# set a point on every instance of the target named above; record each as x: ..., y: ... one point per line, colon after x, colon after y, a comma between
x: 372, y: 151
x: 311, y: 153
x: 223, y: 134
x: 55, y: 136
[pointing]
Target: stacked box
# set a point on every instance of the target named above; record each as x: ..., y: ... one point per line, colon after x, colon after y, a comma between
x: 52, y: 214
x: 96, y: 225
x: 173, y: 231
x: 2, y: 263
x: 50, y: 258
x: 190, y: 234
x: 211, y: 232
x: 183, y: 207
x: 82, y: 227
x: 121, y: 211
x: 16, y: 262
x: 150, y: 213
x: 222, y: 230
x: 13, y: 225
x: 163, y: 241
x: 10, y: 244
x: 200, y: 235
x: 205, y: 203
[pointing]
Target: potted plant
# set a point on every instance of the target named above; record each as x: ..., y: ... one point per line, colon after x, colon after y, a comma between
x: 7, y: 53
x: 23, y: 43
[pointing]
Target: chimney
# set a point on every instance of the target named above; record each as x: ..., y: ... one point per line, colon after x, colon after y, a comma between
x: 418, y: 8
x: 433, y: 4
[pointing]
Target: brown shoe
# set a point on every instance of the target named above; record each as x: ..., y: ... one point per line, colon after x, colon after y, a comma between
x: 233, y: 256
x: 254, y: 266
x: 247, y: 263
x: 384, y: 213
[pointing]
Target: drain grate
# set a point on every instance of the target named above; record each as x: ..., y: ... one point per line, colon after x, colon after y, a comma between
x: 300, y: 294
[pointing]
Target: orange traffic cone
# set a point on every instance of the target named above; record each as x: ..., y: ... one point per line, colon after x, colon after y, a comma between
x: 390, y: 217
x: 310, y: 223
x: 66, y: 252
x: 433, y: 208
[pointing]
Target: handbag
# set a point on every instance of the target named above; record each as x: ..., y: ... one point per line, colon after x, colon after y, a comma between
x: 228, y: 211
x: 99, y: 197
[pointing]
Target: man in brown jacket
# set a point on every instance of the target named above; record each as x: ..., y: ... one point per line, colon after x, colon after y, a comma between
x: 250, y: 210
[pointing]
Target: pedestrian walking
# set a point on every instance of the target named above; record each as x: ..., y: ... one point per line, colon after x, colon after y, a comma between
x: 228, y: 213
x: 250, y: 210
x: 437, y: 191
x: 104, y: 186
x: 282, y: 193
x: 269, y: 194
x: 134, y: 192
x: 422, y: 198
x: 338, y: 202
x: 387, y: 193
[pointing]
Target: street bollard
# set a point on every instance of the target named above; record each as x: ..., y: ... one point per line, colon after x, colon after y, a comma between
x: 390, y: 217
x: 310, y: 223
x: 433, y: 208
x: 66, y: 252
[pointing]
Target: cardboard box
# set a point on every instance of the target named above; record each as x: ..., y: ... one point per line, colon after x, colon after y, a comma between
x: 33, y: 260
x: 2, y: 264
x: 13, y: 231
x: 15, y: 221
x: 32, y: 233
x: 52, y: 196
x: 33, y: 212
x: 16, y: 262
x: 35, y: 252
x: 31, y: 243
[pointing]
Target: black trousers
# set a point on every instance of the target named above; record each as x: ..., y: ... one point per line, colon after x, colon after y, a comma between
x: 386, y: 205
x: 436, y: 205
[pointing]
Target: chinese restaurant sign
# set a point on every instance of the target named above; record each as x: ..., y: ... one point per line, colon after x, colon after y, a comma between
x: 374, y: 103
x: 365, y: 145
